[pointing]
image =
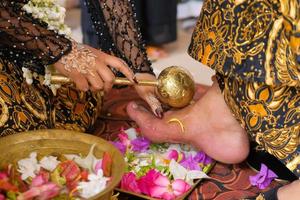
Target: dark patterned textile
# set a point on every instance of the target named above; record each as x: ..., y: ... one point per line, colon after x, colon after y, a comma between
x: 254, y: 46
x: 25, y: 42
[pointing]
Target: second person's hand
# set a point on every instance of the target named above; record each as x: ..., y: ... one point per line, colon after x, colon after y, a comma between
x: 90, y: 69
x: 147, y: 93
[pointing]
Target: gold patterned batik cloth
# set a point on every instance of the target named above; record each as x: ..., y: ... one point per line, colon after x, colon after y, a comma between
x: 254, y: 46
x: 27, y: 107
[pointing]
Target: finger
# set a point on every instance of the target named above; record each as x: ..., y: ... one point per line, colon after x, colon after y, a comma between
x: 80, y: 82
x: 107, y: 77
x: 95, y: 82
x: 154, y: 104
x: 121, y: 66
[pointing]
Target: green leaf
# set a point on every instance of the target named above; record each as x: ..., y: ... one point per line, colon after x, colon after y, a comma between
x: 56, y: 178
x: 11, y: 195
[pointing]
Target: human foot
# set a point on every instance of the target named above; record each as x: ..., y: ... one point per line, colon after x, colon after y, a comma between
x: 290, y: 191
x: 208, y: 125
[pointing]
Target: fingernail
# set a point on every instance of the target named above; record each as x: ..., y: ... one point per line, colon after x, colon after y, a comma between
x: 135, y: 80
x: 159, y: 113
x: 134, y: 106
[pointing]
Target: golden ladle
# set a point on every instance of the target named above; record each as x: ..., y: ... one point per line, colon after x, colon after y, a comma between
x: 174, y: 86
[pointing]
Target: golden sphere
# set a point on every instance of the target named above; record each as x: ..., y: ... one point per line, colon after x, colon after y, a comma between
x: 176, y: 87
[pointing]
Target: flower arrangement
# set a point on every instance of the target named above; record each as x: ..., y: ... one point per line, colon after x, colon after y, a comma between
x: 65, y: 177
x: 53, y: 14
x: 163, y: 171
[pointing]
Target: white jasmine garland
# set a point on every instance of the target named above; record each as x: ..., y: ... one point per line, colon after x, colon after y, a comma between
x: 51, y: 12
x: 27, y: 74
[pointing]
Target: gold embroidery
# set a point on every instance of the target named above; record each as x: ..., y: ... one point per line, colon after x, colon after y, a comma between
x: 250, y: 39
x: 33, y: 101
x: 237, y: 2
x: 253, y: 23
x: 271, y: 115
x: 279, y: 142
x: 252, y: 44
x: 285, y: 35
x: 260, y: 197
x: 4, y: 112
x: 294, y: 163
x: 23, y: 107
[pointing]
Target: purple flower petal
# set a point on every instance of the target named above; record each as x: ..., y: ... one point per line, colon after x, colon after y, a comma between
x: 201, y: 157
x: 140, y: 144
x: 190, y: 163
x: 263, y: 178
x: 120, y: 146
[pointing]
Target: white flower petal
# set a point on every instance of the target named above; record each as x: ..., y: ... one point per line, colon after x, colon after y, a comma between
x: 28, y: 166
x: 87, y: 162
x: 195, y: 174
x: 132, y: 134
x: 49, y: 163
x: 177, y: 171
x: 96, y: 183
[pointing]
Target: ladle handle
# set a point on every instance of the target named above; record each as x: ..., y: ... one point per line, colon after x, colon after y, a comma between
x: 60, y: 79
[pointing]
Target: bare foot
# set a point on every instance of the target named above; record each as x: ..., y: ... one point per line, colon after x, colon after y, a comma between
x: 209, y: 126
x: 290, y: 191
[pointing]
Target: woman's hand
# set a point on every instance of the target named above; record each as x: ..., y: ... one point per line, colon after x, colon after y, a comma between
x: 147, y: 93
x: 89, y: 68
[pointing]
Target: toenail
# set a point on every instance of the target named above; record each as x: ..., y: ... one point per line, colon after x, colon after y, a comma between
x: 134, y: 106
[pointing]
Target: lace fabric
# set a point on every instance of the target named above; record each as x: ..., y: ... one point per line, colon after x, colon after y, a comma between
x: 114, y: 22
x: 26, y: 41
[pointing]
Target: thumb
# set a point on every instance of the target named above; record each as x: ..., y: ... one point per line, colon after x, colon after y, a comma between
x: 154, y: 104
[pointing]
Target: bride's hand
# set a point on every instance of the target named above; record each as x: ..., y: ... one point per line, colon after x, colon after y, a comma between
x: 147, y: 93
x: 89, y: 68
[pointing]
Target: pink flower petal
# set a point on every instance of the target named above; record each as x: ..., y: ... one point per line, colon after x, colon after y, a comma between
x: 180, y: 187
x: 123, y: 137
x: 3, y: 175
x: 38, y: 181
x: 157, y: 191
x: 46, y: 191
x: 168, y: 196
x: 147, y: 181
x: 129, y: 183
x: 98, y: 166
x: 173, y: 154
x: 162, y: 180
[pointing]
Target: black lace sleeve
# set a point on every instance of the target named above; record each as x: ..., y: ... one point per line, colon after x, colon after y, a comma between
x: 26, y: 41
x: 114, y: 22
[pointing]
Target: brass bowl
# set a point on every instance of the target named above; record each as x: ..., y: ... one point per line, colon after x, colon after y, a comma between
x: 47, y: 142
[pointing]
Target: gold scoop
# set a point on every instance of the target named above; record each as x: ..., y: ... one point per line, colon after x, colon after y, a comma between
x: 174, y: 86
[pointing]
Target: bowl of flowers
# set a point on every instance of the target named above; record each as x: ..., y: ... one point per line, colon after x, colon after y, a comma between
x: 58, y: 164
x: 160, y: 171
